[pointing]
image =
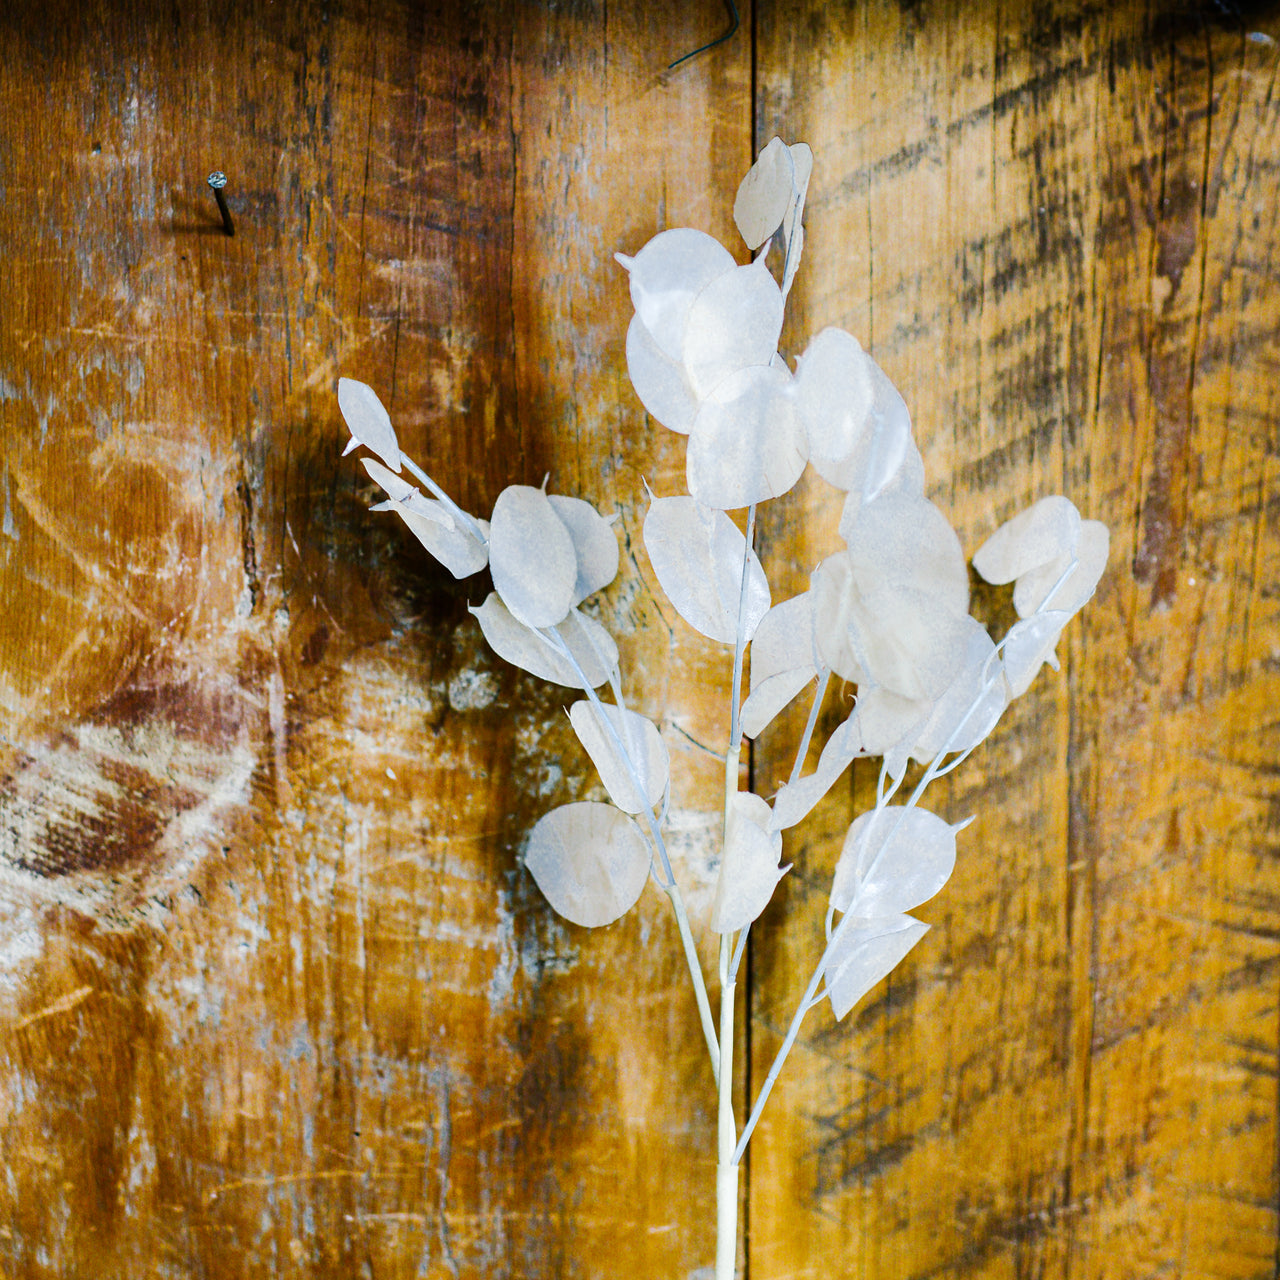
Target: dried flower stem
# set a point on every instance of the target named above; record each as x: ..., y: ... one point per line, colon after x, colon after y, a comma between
x: 669, y: 885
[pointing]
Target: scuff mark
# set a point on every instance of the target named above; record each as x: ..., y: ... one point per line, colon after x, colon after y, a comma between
x: 10, y: 527
x: 64, y: 1004
x: 111, y: 813
x: 445, y: 1128
x: 249, y: 552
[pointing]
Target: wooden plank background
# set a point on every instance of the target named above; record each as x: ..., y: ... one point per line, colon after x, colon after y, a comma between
x: 277, y: 998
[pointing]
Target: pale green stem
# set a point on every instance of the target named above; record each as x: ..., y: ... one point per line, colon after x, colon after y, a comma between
x: 740, y: 643
x: 449, y: 503
x: 803, y: 749
x: 727, y: 1132
x: 738, y: 950
x: 669, y: 885
x: 726, y: 1126
x: 695, y: 972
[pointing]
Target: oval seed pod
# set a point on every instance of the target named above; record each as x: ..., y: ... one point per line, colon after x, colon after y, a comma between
x: 1029, y: 645
x: 697, y: 554
x: 659, y: 380
x: 646, y: 760
x: 368, y: 421
x: 747, y: 443
x: 1044, y: 532
x: 765, y: 194
x: 531, y: 553
x: 734, y: 322
x: 667, y: 275
x: 749, y: 870
x: 594, y: 544
x: 589, y: 860
x: 1031, y: 590
x: 866, y: 951
x: 523, y: 647
x: 893, y: 859
x: 834, y: 392
x: 432, y: 523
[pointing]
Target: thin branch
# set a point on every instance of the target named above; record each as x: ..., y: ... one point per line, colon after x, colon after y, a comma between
x: 453, y: 507
x: 669, y: 885
x: 803, y: 749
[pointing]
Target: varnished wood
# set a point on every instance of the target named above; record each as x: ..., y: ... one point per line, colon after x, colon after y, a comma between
x: 278, y: 999
x: 1055, y: 229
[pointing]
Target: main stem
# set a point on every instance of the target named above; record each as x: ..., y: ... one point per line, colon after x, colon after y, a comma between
x: 727, y: 1133
x: 726, y: 1128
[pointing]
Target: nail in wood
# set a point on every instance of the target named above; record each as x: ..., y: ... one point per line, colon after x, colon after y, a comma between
x: 218, y: 180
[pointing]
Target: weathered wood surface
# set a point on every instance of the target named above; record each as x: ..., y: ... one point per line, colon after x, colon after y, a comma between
x: 277, y: 999
x: 1057, y: 231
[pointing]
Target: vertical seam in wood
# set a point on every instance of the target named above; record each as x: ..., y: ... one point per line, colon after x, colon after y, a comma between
x: 748, y: 984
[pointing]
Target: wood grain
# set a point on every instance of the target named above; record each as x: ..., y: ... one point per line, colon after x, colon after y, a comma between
x: 1055, y: 227
x: 278, y: 998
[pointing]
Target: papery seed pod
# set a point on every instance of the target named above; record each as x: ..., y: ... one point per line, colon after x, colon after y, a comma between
x: 367, y: 421
x: 665, y: 278
x: 531, y: 553
x: 589, y: 860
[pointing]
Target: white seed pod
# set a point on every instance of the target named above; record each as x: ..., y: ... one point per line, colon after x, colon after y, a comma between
x: 1029, y: 645
x: 1031, y: 591
x: 367, y: 421
x: 769, y: 697
x: 734, y: 322
x: 765, y: 194
x: 1046, y: 531
x: 866, y: 951
x: 749, y: 870
x: 832, y: 592
x: 523, y: 647
x: 792, y: 227
x: 795, y: 801
x: 531, y: 553
x: 834, y: 391
x: 659, y: 380
x: 898, y: 540
x: 667, y: 275
x: 784, y: 640
x: 396, y: 488
x: 646, y: 754
x: 782, y: 661
x: 906, y: 640
x: 697, y: 554
x: 590, y: 861
x: 973, y: 702
x: 747, y: 441
x: 595, y: 545
x: 885, y: 456
x: 455, y: 545
x: 890, y: 724
x: 893, y: 859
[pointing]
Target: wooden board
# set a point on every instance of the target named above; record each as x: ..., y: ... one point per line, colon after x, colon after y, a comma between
x: 278, y: 999
x: 1055, y: 228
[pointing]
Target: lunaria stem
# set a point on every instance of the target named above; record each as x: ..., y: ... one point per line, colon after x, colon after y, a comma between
x: 726, y: 1129
x: 802, y: 750
x: 669, y: 884
x: 454, y: 510
x: 726, y: 1125
x: 740, y: 643
x: 807, y: 1001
